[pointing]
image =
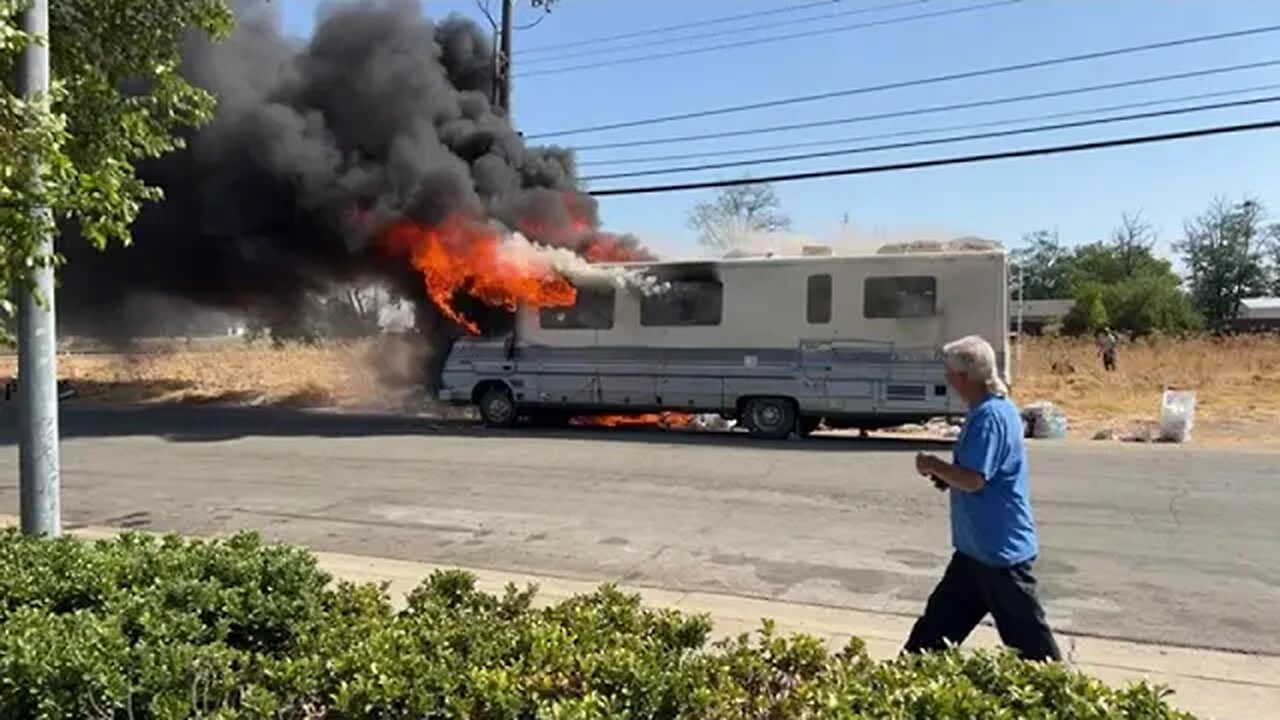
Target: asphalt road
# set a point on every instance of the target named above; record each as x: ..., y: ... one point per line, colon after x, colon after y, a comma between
x: 1160, y: 544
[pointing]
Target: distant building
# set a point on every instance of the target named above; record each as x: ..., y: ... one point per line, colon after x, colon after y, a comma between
x: 1258, y: 314
x: 1038, y: 314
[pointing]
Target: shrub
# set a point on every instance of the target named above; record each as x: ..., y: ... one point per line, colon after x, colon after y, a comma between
x: 1138, y: 307
x: 146, y: 628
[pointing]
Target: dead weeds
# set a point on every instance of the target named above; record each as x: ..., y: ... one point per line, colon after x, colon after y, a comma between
x: 1237, y: 380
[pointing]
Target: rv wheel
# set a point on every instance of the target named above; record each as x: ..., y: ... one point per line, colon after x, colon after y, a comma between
x: 806, y: 426
x: 497, y: 408
x: 772, y: 418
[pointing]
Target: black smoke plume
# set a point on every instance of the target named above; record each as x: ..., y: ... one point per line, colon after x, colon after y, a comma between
x: 381, y: 114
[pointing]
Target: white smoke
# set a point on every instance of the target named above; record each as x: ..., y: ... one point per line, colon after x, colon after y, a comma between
x: 528, y: 256
x: 848, y: 239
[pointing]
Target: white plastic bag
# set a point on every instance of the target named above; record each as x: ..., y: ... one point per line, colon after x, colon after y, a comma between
x: 1177, y: 415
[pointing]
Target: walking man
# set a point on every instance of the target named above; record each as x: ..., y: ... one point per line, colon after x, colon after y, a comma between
x: 992, y: 528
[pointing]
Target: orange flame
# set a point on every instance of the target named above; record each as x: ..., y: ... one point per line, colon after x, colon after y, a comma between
x: 671, y: 420
x: 465, y: 255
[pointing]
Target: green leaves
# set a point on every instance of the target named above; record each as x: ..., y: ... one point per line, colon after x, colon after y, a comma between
x: 117, y: 99
x: 1119, y: 282
x: 145, y: 628
x: 1229, y: 252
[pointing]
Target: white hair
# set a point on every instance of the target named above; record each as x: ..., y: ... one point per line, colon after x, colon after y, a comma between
x: 975, y: 358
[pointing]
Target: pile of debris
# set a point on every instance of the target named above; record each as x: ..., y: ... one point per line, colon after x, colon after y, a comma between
x: 1044, y: 421
x: 1177, y: 416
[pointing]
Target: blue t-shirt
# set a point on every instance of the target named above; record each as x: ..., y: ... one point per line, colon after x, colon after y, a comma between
x: 994, y: 525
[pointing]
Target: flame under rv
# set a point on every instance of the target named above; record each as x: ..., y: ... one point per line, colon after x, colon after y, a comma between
x: 779, y: 344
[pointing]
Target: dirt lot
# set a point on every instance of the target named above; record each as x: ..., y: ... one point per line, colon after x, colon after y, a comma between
x: 1237, y: 380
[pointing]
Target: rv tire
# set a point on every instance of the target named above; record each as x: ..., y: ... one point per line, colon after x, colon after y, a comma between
x: 806, y: 426
x: 772, y: 418
x: 497, y: 407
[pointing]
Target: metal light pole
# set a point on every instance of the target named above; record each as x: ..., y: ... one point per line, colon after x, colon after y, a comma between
x: 38, y: 480
x: 1022, y: 303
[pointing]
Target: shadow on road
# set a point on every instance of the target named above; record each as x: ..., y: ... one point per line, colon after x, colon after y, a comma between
x: 213, y: 423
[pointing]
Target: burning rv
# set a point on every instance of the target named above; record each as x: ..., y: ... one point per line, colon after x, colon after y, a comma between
x: 778, y: 343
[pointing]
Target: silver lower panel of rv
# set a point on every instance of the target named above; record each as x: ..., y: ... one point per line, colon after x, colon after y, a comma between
x: 865, y: 383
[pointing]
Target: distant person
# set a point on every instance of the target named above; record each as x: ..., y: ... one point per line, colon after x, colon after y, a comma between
x: 1107, y: 342
x: 992, y: 528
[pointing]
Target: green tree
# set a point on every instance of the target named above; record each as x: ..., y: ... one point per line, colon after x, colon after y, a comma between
x: 1272, y: 243
x: 1041, y: 265
x: 1145, y: 305
x: 74, y: 150
x: 1120, y: 282
x: 1115, y: 261
x: 1224, y: 250
x: 1089, y: 314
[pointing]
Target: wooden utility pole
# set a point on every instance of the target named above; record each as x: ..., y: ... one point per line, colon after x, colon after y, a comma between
x: 504, y: 57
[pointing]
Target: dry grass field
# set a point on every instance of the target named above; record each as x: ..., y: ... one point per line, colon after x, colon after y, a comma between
x: 382, y: 374
x: 1237, y: 380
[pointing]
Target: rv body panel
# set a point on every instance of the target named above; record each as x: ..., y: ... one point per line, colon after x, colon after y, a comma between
x: 855, y: 340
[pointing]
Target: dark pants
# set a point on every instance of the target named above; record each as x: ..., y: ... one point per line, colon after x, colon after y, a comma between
x: 968, y: 591
x: 1109, y: 360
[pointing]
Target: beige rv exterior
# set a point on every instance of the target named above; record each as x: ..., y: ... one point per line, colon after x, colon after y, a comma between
x: 853, y: 340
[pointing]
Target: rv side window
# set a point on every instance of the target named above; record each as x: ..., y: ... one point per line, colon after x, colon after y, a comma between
x: 900, y: 297
x: 819, y: 302
x: 592, y: 310
x: 683, y: 302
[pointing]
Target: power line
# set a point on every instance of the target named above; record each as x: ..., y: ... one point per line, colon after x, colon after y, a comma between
x: 682, y: 26
x: 766, y: 40
x: 719, y: 34
x: 928, y: 131
x: 933, y: 109
x: 917, y: 82
x: 941, y: 162
x: 939, y: 141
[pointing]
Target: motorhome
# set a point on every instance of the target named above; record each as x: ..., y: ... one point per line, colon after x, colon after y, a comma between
x: 779, y: 344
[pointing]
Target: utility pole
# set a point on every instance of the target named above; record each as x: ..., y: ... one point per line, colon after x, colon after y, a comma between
x: 504, y: 57
x: 38, y: 481
x: 1022, y: 304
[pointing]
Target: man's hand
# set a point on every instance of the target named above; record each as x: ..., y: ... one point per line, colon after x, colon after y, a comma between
x: 927, y: 465
x: 945, y: 475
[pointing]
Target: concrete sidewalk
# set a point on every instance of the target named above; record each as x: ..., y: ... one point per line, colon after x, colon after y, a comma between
x: 1209, y: 683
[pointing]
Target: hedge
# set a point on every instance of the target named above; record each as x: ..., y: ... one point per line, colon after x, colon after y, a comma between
x: 142, y: 627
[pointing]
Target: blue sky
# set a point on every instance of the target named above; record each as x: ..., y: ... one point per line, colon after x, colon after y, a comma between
x: 1082, y: 196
